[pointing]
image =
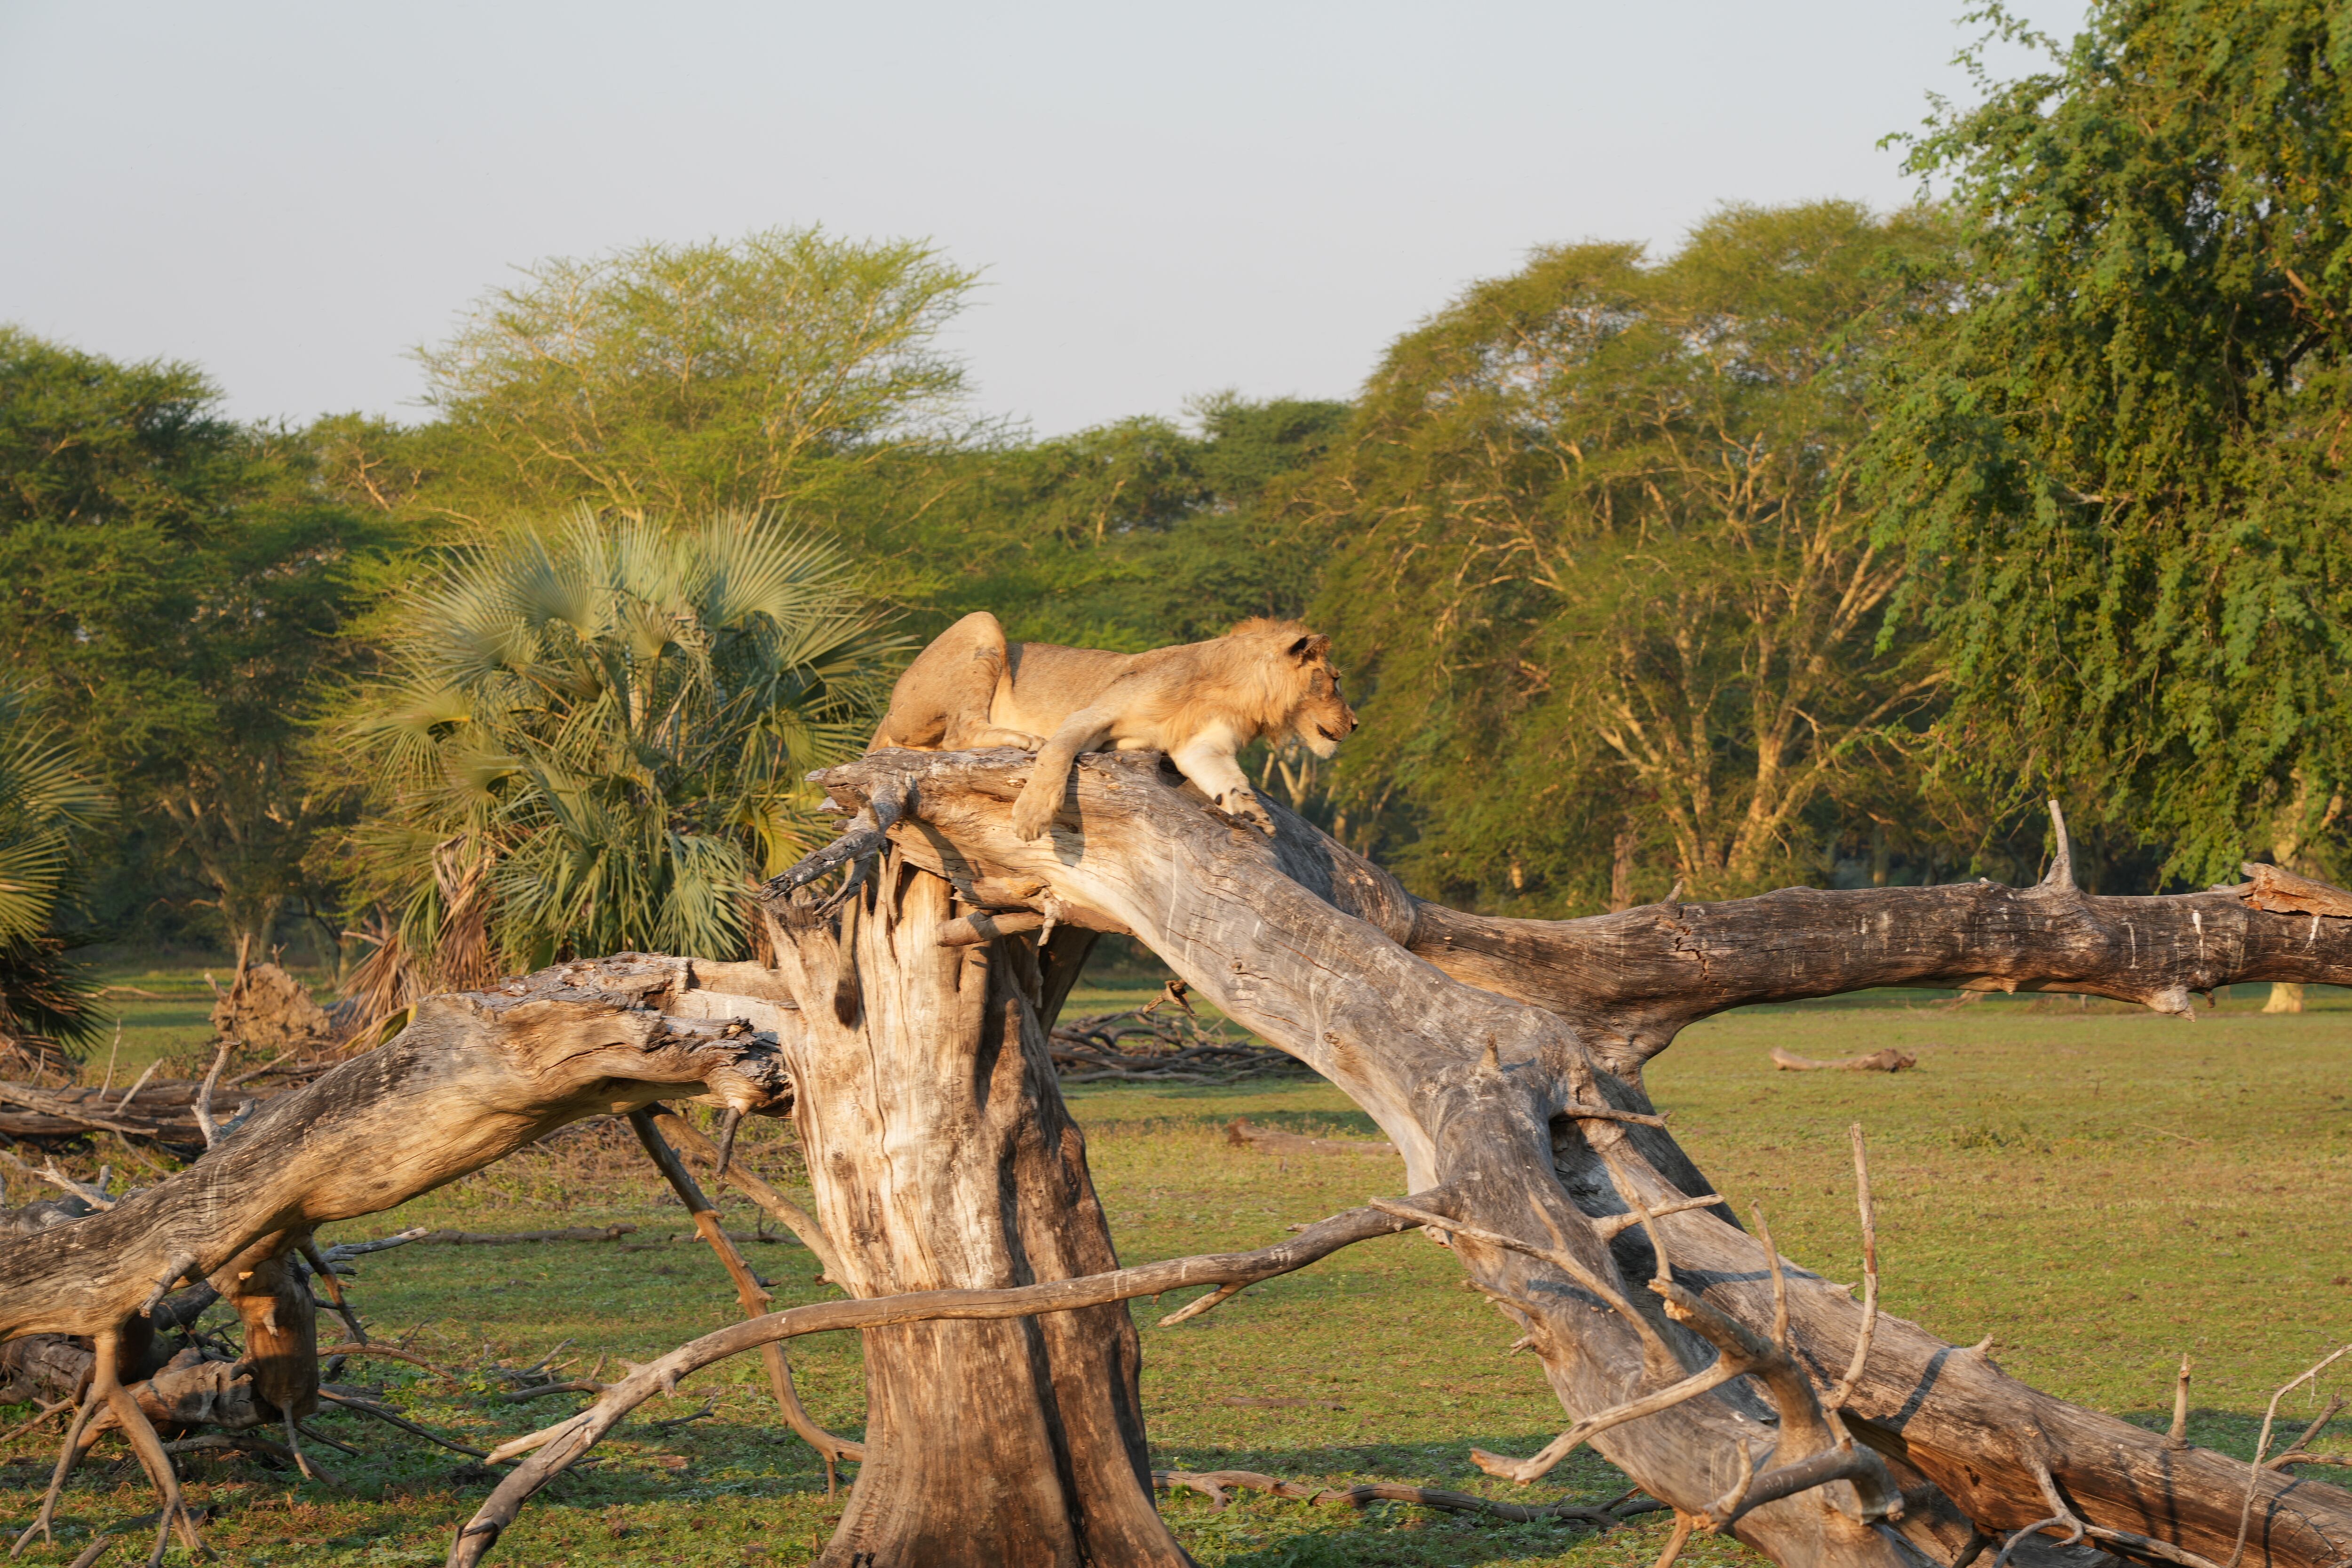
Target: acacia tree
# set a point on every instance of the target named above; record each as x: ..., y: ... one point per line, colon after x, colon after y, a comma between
x: 2119, y: 462
x: 1598, y: 525
x: 680, y: 378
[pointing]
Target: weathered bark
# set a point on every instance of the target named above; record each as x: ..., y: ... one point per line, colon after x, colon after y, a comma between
x: 1631, y: 981
x: 942, y: 1157
x: 939, y: 1149
x: 472, y: 1079
x: 1523, y: 1117
x: 159, y: 1112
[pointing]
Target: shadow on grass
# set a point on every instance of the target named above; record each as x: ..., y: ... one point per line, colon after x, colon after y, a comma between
x: 1260, y: 1531
x: 1097, y: 1107
x: 2235, y: 1432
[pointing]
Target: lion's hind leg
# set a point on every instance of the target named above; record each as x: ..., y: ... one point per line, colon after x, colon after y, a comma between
x: 980, y: 737
x: 945, y: 693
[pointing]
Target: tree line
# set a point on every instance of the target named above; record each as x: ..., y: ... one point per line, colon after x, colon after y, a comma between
x: 1818, y: 549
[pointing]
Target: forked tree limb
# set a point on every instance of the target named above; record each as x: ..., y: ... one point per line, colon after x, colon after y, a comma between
x: 691, y: 1141
x: 471, y: 1079
x: 750, y: 1294
x: 1638, y: 977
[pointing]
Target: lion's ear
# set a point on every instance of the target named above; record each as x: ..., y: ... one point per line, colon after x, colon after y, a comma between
x: 1313, y: 646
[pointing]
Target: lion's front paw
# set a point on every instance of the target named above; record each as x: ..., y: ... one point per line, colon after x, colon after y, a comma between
x: 1243, y: 806
x: 1033, y: 814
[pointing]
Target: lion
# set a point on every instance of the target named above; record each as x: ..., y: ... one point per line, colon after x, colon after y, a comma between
x: 1199, y: 703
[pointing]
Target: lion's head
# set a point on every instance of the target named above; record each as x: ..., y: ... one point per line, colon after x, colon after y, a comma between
x: 1308, y: 701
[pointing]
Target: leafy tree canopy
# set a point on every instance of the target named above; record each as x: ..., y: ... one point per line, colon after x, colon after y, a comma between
x: 2117, y: 461
x: 174, y: 584
x: 679, y: 378
x: 1597, y: 549
x: 1130, y: 535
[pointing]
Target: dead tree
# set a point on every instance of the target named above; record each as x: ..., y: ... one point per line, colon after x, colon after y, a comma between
x: 903, y: 1027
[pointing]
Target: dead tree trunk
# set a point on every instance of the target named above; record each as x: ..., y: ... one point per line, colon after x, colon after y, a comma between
x: 942, y: 1158
x: 938, y: 1146
x: 1504, y: 1059
x: 472, y: 1079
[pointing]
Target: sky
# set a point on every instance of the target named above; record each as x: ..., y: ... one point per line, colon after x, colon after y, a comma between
x: 1165, y: 201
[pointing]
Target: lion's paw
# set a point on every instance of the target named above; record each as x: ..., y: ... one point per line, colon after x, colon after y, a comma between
x: 1243, y: 806
x: 1033, y: 814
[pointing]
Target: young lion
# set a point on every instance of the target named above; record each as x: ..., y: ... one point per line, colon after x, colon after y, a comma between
x: 1199, y: 703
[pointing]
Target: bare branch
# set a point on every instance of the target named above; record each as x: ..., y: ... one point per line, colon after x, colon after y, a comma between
x: 203, y: 1106
x: 2262, y: 1444
x: 559, y: 1445
x: 1610, y: 1226
x: 1845, y: 1385
x: 2178, y: 1437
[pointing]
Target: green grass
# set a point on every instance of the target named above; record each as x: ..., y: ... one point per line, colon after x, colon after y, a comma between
x: 2100, y: 1190
x: 152, y: 1010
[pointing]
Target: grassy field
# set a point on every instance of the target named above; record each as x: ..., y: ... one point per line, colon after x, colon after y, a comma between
x: 2098, y: 1189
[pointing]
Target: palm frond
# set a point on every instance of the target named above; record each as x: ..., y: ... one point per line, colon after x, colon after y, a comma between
x: 615, y: 716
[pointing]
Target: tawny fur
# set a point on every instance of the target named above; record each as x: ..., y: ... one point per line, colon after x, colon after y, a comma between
x: 1199, y: 703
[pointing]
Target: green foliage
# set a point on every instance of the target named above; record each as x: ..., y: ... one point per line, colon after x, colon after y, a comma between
x: 49, y: 802
x: 591, y: 737
x: 115, y: 480
x: 684, y: 378
x: 2118, y: 462
x: 176, y: 583
x: 1130, y: 535
x: 1597, y: 546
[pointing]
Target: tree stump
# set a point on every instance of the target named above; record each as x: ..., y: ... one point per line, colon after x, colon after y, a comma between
x: 942, y: 1158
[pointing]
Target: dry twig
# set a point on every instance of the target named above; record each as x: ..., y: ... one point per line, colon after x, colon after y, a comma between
x: 1844, y: 1389
x: 2262, y: 1443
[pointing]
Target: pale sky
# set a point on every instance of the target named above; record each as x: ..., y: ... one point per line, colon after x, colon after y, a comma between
x: 1167, y: 199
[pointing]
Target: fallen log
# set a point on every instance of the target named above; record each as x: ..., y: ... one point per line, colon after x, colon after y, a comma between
x: 474, y: 1078
x: 1502, y: 1059
x: 160, y: 1111
x: 1889, y: 1060
x: 1214, y: 1484
x: 1512, y: 1081
x: 1241, y: 1134
x: 517, y: 1237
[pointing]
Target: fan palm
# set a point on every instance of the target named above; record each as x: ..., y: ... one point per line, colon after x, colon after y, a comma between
x: 594, y: 739
x: 48, y: 797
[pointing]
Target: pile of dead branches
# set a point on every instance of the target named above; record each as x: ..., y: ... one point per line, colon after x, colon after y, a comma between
x: 1161, y: 1047
x: 168, y: 1113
